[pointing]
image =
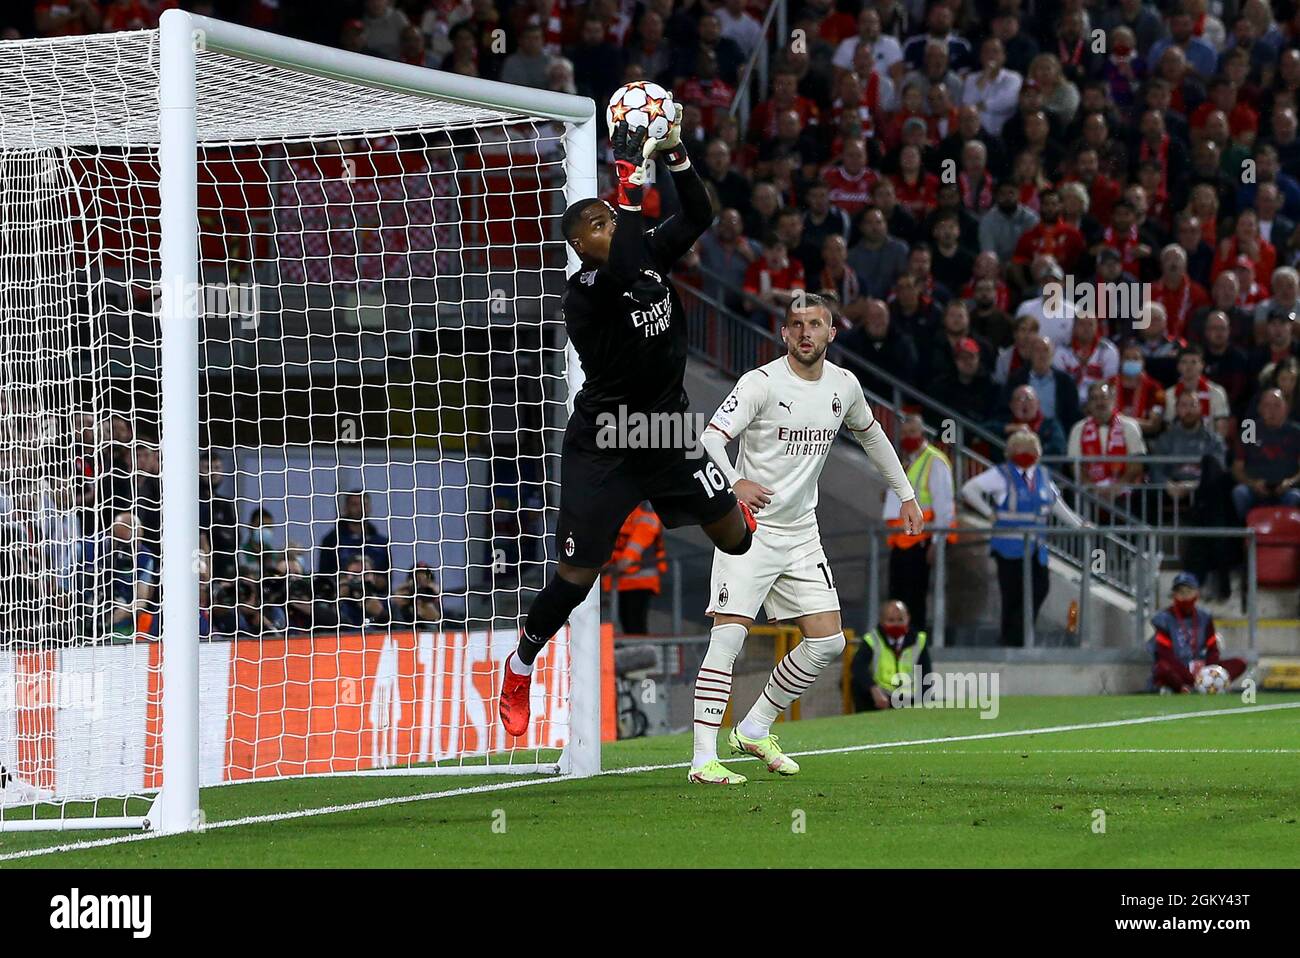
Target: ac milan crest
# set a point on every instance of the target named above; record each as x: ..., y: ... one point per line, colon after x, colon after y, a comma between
x: 568, y: 546
x: 836, y: 407
x: 723, y: 595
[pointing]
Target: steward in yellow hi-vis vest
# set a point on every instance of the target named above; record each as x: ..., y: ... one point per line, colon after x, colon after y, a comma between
x: 892, y: 656
x: 930, y: 473
x: 639, y: 559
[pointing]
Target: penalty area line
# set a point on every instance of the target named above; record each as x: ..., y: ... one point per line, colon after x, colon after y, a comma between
x: 630, y: 770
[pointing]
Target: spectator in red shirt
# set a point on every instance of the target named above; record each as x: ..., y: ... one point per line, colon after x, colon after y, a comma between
x: 774, y: 277
x: 1246, y: 243
x: 785, y: 96
x: 1103, y: 192
x: 911, y: 111
x: 706, y: 89
x: 1123, y: 237
x: 859, y: 97
x: 1176, y: 291
x: 835, y: 25
x: 1249, y: 291
x: 1027, y: 173
x: 988, y: 267
x: 1141, y: 397
x: 1050, y: 237
x: 916, y: 189
x: 851, y: 182
x: 1243, y: 121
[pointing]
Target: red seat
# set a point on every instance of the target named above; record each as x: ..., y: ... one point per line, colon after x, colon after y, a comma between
x: 1277, y: 533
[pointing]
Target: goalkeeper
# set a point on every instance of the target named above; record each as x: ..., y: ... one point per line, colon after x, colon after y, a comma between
x: 626, y: 322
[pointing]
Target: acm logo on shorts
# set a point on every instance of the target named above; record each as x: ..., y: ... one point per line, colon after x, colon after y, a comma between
x: 568, y: 545
x: 723, y: 594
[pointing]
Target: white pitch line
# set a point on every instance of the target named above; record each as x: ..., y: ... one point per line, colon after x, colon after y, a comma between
x: 504, y: 786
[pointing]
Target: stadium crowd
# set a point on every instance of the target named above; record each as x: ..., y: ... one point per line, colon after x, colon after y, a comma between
x: 80, y: 553
x: 938, y: 165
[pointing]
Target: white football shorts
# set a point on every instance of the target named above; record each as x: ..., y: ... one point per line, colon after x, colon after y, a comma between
x: 787, y: 575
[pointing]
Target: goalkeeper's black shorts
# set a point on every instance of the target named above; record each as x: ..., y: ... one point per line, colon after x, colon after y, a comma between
x: 599, y: 488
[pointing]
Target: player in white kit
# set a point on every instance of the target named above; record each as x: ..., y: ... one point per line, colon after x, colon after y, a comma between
x: 786, y: 415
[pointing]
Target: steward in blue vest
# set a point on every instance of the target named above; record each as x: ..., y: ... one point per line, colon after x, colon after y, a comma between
x: 1017, y: 495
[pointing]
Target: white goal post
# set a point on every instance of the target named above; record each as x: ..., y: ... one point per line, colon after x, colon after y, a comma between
x: 395, y: 230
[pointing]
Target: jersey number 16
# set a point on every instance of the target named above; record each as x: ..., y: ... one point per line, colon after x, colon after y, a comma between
x: 711, y: 479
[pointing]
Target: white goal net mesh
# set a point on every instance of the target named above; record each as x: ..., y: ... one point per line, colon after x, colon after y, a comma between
x: 382, y: 390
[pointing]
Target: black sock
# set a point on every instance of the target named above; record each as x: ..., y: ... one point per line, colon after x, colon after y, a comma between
x: 547, y: 615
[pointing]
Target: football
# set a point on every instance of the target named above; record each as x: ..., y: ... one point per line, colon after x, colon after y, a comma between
x: 642, y: 104
x: 1212, y: 679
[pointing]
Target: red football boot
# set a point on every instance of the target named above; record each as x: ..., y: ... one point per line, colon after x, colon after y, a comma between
x: 749, y: 516
x: 513, y: 704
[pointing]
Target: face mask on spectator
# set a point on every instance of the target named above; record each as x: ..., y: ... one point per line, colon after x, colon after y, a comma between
x: 1185, y: 606
x: 911, y: 444
x: 266, y: 536
x: 894, y: 631
x: 1131, y: 367
x: 1025, y: 460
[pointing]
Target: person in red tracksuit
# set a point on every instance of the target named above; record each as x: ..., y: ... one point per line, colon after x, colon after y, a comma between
x: 1185, y: 640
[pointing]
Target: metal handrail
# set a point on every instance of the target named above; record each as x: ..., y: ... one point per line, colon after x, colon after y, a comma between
x: 1149, y: 458
x: 757, y: 61
x: 965, y: 426
x: 1143, y: 603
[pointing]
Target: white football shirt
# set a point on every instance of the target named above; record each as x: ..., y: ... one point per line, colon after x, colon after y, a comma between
x: 786, y: 426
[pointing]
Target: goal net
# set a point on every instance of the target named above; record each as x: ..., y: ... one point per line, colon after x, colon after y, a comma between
x: 284, y: 380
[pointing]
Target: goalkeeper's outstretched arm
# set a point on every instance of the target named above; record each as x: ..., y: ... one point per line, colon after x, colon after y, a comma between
x: 628, y: 249
x: 676, y: 235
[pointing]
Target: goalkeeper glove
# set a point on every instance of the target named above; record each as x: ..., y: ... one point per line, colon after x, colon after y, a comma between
x: 670, y: 146
x: 632, y: 152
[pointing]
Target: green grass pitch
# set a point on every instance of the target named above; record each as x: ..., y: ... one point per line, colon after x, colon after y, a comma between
x: 1013, y: 801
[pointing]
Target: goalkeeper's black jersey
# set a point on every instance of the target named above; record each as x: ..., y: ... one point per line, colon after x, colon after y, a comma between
x: 626, y: 320
x: 631, y: 340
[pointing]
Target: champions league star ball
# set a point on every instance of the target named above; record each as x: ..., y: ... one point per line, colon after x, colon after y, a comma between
x: 642, y: 104
x: 1212, y: 679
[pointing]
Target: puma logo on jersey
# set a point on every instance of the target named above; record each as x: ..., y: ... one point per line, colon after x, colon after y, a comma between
x: 588, y: 278
x: 786, y: 406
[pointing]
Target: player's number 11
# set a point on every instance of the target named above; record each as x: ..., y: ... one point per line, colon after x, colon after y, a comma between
x: 711, y: 479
